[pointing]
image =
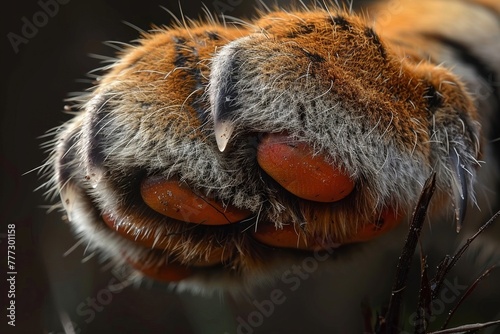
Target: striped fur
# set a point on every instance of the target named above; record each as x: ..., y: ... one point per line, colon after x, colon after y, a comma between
x: 393, y: 95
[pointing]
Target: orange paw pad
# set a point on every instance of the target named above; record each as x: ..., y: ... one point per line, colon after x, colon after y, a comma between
x: 389, y: 219
x: 176, y: 200
x: 290, y: 236
x: 294, y: 167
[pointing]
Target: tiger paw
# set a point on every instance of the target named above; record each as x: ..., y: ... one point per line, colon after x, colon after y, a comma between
x: 216, y: 152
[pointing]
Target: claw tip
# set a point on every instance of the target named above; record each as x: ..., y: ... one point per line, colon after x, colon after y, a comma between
x: 223, y: 131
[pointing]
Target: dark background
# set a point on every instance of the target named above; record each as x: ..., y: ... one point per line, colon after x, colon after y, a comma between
x: 54, y: 292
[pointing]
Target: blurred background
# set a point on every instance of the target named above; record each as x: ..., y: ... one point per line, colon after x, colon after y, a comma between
x: 58, y: 293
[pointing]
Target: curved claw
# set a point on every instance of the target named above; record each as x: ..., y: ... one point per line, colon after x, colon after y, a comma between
x: 460, y: 188
x: 223, y: 93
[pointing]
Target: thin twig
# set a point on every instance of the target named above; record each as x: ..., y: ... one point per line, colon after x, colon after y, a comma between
x: 424, y: 310
x: 470, y: 289
x: 391, y: 321
x: 442, y: 272
x: 467, y: 328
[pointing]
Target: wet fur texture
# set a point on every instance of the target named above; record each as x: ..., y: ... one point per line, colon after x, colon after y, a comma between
x: 385, y: 96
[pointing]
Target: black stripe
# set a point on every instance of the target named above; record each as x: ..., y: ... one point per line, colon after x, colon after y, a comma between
x: 313, y: 56
x: 489, y: 76
x: 434, y: 100
x: 302, y: 114
x: 181, y: 59
x: 374, y: 37
x: 341, y: 22
x: 303, y: 29
x: 100, y: 122
x: 197, y: 104
x: 213, y: 36
x: 187, y: 57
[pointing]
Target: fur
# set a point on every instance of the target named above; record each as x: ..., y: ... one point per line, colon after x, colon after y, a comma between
x: 383, y: 96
